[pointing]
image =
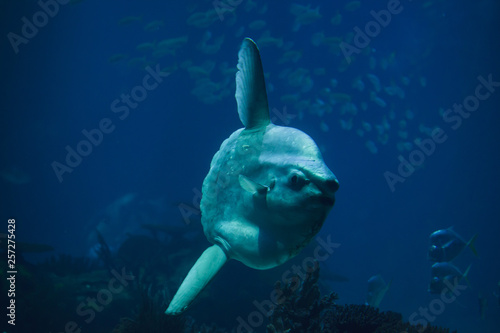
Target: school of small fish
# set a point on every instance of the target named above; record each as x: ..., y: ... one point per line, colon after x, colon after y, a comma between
x: 369, y: 107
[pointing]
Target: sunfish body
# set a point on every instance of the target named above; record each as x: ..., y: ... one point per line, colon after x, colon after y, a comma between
x: 267, y: 193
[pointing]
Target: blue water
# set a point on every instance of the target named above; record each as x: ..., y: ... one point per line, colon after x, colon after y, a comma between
x: 61, y: 81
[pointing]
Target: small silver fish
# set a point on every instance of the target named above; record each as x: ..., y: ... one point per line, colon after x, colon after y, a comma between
x: 153, y: 25
x: 376, y: 290
x: 446, y: 244
x: 444, y: 274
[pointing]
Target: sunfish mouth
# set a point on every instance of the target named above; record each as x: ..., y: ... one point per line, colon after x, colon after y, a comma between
x: 328, y: 187
x: 327, y: 201
x: 323, y: 200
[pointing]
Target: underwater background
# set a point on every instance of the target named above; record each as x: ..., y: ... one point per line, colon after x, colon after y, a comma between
x: 85, y: 147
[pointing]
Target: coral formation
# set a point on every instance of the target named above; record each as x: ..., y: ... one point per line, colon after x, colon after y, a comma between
x: 64, y: 264
x: 301, y: 309
x: 65, y: 284
x: 150, y: 318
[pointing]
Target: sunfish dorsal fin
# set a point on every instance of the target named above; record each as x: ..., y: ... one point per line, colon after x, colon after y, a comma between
x: 251, y: 95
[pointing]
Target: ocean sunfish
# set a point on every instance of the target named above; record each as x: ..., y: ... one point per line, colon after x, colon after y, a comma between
x: 267, y: 192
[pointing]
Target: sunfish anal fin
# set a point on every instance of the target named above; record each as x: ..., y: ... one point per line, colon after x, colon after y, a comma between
x: 205, y: 268
x: 251, y: 95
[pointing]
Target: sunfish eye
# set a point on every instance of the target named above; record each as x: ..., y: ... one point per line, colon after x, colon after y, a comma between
x: 297, y: 180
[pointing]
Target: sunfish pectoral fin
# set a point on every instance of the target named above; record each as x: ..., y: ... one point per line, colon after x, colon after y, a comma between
x: 251, y: 186
x: 251, y: 95
x: 205, y: 268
